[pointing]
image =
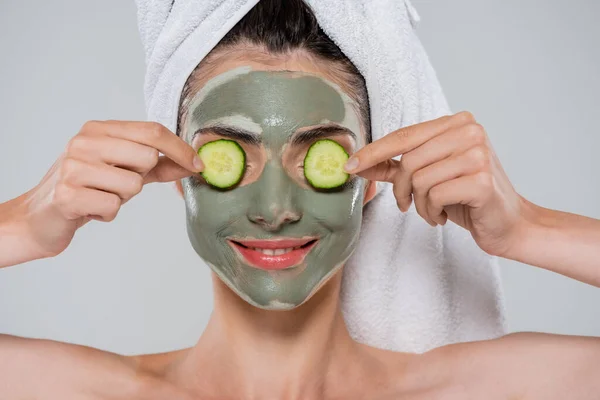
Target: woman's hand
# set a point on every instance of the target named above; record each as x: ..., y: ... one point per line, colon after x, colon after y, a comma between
x: 103, y: 166
x: 449, y: 168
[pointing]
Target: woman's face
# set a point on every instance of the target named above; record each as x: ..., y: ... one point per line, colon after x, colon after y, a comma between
x: 273, y: 239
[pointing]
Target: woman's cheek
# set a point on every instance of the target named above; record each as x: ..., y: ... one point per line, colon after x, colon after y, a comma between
x: 336, y: 210
x: 213, y: 209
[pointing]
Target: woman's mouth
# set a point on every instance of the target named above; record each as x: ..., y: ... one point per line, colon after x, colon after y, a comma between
x: 273, y: 254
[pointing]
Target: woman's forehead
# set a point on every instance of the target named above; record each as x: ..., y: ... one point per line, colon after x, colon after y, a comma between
x: 263, y: 95
x: 272, y: 99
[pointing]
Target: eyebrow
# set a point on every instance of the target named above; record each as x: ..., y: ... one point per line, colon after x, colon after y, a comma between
x: 317, y: 132
x: 230, y: 132
x: 298, y: 138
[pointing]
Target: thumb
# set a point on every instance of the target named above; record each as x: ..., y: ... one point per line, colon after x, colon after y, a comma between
x: 167, y: 170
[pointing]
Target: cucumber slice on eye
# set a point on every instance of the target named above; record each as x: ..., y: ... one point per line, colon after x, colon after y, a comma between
x: 224, y: 163
x: 324, y: 164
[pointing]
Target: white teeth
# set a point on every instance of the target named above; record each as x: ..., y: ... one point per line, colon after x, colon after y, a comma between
x: 274, y: 252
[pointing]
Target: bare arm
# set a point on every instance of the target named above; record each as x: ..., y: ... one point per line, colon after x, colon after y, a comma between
x: 519, y: 366
x: 561, y: 242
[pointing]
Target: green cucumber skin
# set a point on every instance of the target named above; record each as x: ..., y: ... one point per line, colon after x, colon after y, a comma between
x: 228, y: 143
x: 321, y: 185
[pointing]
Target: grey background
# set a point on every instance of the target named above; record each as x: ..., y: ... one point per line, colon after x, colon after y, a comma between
x: 528, y: 70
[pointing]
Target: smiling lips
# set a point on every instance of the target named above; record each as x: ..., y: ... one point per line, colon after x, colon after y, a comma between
x: 273, y: 254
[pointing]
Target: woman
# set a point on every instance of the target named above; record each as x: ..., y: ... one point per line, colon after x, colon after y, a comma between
x: 265, y: 101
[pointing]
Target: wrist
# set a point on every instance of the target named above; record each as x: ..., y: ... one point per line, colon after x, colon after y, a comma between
x: 18, y: 244
x: 527, y: 231
x: 12, y: 213
x: 558, y: 241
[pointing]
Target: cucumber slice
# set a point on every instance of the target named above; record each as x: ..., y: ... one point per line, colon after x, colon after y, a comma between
x: 324, y: 164
x: 224, y: 163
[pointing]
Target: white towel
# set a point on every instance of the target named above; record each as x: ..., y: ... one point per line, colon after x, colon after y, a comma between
x: 408, y: 287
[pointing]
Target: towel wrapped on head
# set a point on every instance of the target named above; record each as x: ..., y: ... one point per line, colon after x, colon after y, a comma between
x: 408, y: 286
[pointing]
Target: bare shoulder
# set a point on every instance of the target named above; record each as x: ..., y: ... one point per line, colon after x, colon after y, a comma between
x: 521, y: 366
x: 58, y: 360
x: 26, y: 349
x: 542, y: 352
x: 32, y: 366
x: 35, y: 368
x: 158, y: 364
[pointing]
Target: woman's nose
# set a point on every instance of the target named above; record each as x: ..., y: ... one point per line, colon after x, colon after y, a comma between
x: 273, y: 205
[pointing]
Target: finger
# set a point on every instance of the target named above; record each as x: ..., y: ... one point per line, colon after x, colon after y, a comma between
x: 404, y: 140
x: 76, y: 202
x: 166, y: 170
x: 150, y: 134
x: 113, y: 151
x: 384, y: 171
x: 402, y: 199
x: 469, y: 162
x: 452, y: 142
x: 471, y: 190
x: 121, y: 182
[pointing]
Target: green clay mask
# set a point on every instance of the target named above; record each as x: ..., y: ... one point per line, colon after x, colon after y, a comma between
x: 269, y: 111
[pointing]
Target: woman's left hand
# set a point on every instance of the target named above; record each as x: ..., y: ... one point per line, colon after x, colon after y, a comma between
x: 449, y: 168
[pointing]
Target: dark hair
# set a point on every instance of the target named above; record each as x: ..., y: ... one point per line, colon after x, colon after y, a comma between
x: 282, y: 26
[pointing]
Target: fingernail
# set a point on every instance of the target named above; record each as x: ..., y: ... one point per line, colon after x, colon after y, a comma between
x: 198, y: 164
x: 351, y: 164
x: 406, y: 202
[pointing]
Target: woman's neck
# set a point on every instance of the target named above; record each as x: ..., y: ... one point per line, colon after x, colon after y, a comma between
x: 247, y: 352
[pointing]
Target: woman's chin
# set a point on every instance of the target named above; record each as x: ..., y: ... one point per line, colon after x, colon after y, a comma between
x: 288, y: 291
x: 277, y: 305
x: 281, y: 303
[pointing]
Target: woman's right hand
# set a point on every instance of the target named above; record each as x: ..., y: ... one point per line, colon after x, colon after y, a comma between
x: 103, y: 166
